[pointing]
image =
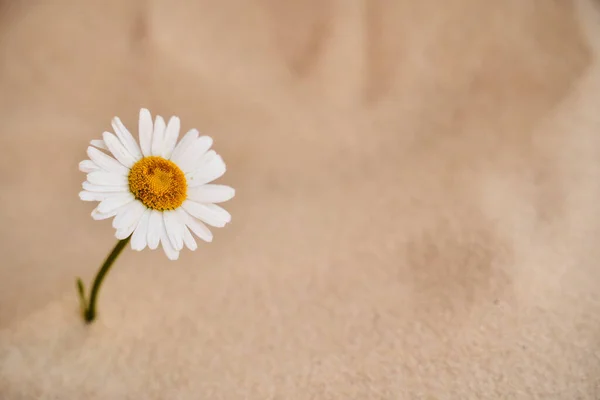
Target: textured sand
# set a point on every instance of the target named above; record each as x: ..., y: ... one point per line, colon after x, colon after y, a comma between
x: 417, y: 212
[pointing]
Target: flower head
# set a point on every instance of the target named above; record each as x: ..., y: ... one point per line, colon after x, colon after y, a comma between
x: 159, y: 192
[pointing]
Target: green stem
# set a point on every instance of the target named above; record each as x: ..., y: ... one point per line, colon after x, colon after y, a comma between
x: 89, y: 309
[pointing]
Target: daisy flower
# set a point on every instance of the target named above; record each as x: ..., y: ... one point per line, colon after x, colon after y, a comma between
x: 159, y: 192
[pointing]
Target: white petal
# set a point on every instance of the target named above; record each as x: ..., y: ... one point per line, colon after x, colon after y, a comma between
x: 145, y: 132
x: 95, y: 196
x: 174, y: 229
x: 99, y: 143
x: 139, y: 239
x: 131, y: 222
x: 118, y: 150
x: 171, y: 136
x: 195, y: 226
x: 114, y: 202
x: 155, y: 228
x: 100, y: 216
x: 107, y: 178
x: 126, y: 138
x: 205, y: 213
x: 186, y: 141
x: 104, y: 188
x: 128, y: 217
x: 120, y: 215
x: 158, y: 136
x: 124, y: 233
x: 106, y: 162
x: 170, y: 251
x: 211, y: 193
x: 208, y: 172
x: 190, y: 159
x: 188, y: 239
x: 220, y: 211
x: 88, y: 166
x: 207, y: 155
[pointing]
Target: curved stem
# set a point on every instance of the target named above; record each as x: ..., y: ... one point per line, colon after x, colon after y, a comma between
x: 89, y: 313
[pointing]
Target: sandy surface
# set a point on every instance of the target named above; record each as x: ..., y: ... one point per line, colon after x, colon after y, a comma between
x: 417, y: 212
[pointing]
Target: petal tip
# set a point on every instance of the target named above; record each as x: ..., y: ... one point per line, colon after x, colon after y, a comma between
x: 96, y: 215
x: 83, y: 195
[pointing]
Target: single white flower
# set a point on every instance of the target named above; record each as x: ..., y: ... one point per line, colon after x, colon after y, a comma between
x: 158, y: 192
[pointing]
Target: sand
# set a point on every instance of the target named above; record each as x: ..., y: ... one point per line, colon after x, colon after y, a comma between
x: 417, y: 211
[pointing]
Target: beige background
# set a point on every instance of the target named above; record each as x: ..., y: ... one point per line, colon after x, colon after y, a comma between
x: 417, y: 212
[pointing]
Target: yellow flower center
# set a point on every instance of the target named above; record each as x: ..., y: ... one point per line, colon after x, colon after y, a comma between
x: 158, y: 183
